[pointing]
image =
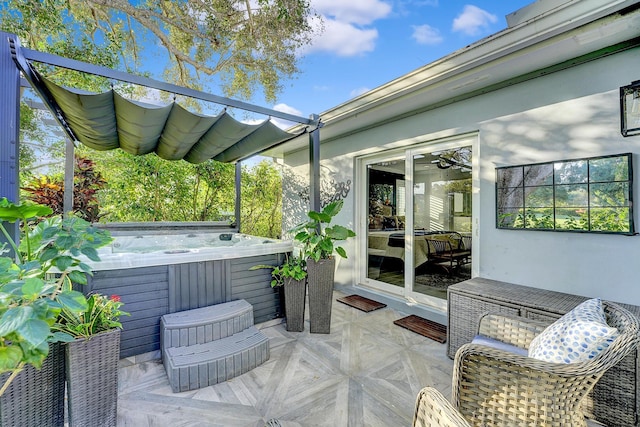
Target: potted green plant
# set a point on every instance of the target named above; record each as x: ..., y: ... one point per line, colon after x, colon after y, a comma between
x: 292, y: 277
x: 35, y: 285
x: 92, y: 360
x: 319, y: 240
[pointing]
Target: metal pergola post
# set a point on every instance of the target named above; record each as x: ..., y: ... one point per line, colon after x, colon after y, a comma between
x: 238, y: 206
x: 69, y: 169
x: 9, y: 129
x: 314, y: 167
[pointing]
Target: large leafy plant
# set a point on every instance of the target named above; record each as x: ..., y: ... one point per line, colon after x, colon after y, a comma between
x: 293, y: 267
x: 318, y: 238
x: 36, y: 281
x: 102, y: 314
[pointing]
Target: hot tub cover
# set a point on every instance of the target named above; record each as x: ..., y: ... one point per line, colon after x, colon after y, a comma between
x: 106, y: 121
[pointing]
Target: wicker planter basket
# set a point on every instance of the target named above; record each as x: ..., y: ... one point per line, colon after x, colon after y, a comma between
x: 36, y: 397
x: 92, y: 380
x: 295, y: 292
x: 320, y: 275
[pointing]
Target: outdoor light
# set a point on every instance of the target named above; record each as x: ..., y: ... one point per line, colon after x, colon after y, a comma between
x: 630, y: 109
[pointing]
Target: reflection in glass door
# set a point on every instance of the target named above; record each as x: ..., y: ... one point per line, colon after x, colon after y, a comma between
x: 442, y: 220
x: 418, y: 202
x: 386, y: 222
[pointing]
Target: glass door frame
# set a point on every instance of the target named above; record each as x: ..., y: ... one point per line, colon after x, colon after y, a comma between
x: 361, y: 211
x: 362, y: 214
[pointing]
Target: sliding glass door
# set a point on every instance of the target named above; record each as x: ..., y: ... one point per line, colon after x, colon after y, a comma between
x: 441, y: 220
x: 385, y: 199
x: 417, y: 202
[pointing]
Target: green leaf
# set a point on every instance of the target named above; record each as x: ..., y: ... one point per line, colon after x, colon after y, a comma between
x: 72, y: 300
x: 326, y: 245
x: 65, y: 241
x: 63, y: 262
x: 10, y: 357
x: 50, y: 232
x: 90, y: 253
x: 333, y: 208
x: 32, y: 266
x: 11, y: 212
x: 78, y: 277
x: 86, y: 268
x: 319, y: 216
x: 302, y: 236
x: 48, y: 254
x: 34, y: 331
x: 14, y: 318
x: 340, y: 250
x: 13, y: 288
x: 33, y: 287
x: 35, y: 354
x: 338, y: 232
x: 62, y: 337
x: 5, y: 263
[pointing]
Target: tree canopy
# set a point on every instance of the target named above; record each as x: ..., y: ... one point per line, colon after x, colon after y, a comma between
x: 249, y: 46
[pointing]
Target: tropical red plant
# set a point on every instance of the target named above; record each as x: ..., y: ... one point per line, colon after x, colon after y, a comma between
x: 49, y: 191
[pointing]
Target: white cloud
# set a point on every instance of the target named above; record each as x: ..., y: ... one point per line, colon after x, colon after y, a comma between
x: 426, y: 34
x: 360, y: 12
x: 284, y: 108
x: 359, y: 91
x: 473, y: 20
x: 347, y: 28
x: 342, y: 39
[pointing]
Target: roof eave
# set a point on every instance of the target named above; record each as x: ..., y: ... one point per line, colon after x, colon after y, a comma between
x: 469, y: 69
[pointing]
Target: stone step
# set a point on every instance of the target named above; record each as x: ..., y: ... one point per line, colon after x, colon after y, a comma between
x: 205, y: 324
x: 202, y: 365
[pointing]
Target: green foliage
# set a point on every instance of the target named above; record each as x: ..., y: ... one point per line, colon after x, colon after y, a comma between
x: 249, y: 49
x: 603, y: 219
x: 101, y: 314
x: 293, y: 268
x: 148, y: 188
x: 36, y: 284
x: 318, y: 238
x: 261, y: 201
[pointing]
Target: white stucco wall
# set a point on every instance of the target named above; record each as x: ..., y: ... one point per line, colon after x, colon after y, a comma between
x: 565, y: 115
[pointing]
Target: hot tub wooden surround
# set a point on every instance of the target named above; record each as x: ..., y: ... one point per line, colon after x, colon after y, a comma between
x: 151, y: 292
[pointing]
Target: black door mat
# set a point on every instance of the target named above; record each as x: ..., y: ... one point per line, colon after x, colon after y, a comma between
x: 361, y: 303
x: 424, y: 327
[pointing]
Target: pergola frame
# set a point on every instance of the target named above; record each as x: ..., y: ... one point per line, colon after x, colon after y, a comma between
x: 14, y: 59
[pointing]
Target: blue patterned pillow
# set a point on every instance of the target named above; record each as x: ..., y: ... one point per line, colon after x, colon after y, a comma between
x: 578, y: 336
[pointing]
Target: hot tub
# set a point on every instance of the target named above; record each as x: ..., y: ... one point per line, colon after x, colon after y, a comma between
x: 145, y: 250
x: 164, y: 271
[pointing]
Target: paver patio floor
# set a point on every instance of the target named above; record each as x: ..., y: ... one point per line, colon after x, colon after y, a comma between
x: 366, y: 372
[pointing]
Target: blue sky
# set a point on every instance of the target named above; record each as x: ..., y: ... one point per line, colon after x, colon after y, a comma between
x: 367, y: 43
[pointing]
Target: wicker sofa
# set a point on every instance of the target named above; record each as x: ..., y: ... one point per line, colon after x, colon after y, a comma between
x: 499, y: 388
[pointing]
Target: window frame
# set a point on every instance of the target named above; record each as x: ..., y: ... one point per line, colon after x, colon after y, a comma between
x: 521, y: 192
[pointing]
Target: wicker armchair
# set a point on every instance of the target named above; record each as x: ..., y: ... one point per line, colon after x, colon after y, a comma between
x: 434, y: 410
x: 493, y: 387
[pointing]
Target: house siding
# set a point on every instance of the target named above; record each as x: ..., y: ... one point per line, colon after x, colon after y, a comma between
x: 567, y: 114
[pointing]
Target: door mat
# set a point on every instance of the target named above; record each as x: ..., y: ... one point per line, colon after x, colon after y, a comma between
x: 361, y: 303
x: 424, y: 327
